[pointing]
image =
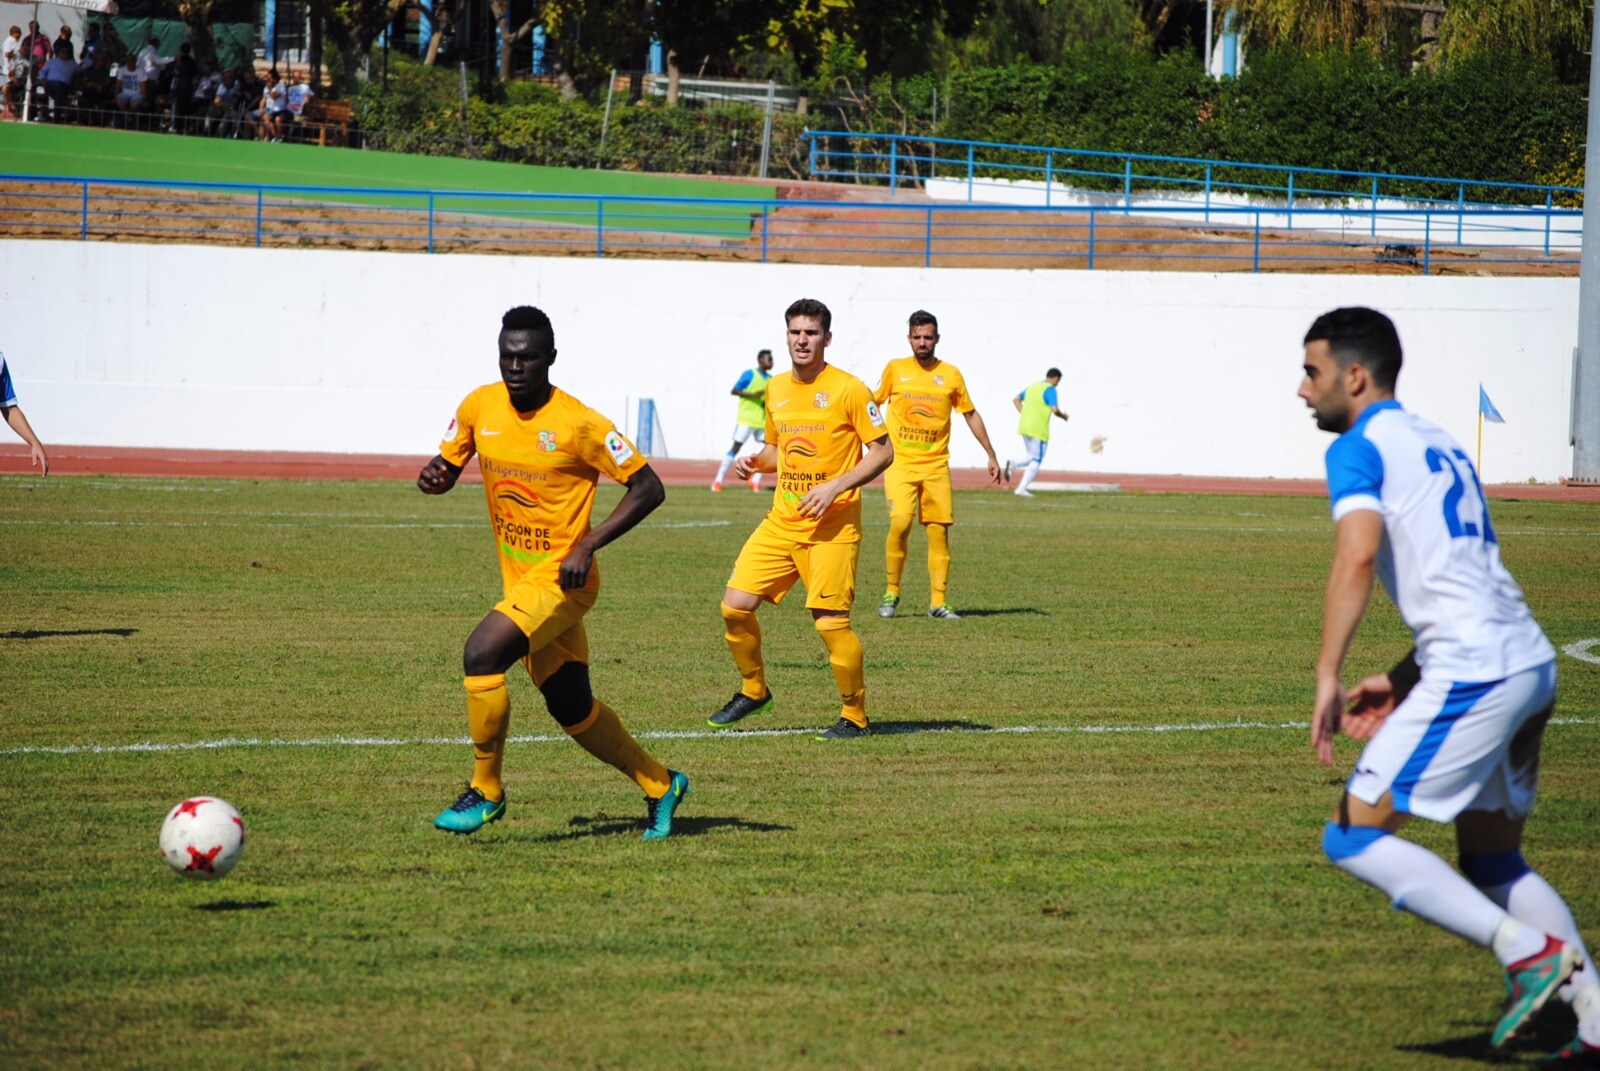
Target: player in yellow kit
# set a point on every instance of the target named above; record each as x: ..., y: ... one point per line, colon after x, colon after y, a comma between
x: 541, y: 452
x: 918, y: 394
x: 819, y: 419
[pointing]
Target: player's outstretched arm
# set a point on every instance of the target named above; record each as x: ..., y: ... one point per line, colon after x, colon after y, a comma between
x: 437, y: 476
x: 1355, y: 556
x: 644, y: 494
x: 19, y: 424
x: 764, y: 460
x: 879, y: 456
x: 981, y: 433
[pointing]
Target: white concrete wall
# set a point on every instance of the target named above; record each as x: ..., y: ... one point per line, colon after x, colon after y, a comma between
x: 209, y: 347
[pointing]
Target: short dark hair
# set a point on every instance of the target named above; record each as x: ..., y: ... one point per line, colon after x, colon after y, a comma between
x: 528, y: 318
x: 809, y: 307
x: 1361, y: 336
x: 1054, y: 373
x: 922, y: 318
x: 763, y: 353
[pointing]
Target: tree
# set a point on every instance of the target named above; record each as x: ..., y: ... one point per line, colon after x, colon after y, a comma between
x: 353, y: 25
x: 705, y: 30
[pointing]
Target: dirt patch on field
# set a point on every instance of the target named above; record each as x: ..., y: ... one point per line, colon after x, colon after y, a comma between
x: 907, y: 231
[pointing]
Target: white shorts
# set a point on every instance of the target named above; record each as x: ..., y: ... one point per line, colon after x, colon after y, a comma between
x: 1453, y: 747
x: 1034, y: 448
x: 742, y: 434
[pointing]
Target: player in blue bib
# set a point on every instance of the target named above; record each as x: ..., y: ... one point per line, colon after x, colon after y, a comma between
x: 1453, y: 730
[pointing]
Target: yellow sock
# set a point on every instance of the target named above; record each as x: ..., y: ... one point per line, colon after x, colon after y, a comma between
x: 744, y: 640
x: 601, y: 734
x: 489, y: 715
x: 938, y: 562
x: 894, y: 549
x: 849, y: 666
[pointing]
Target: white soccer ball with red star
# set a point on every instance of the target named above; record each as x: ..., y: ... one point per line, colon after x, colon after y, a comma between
x: 202, y: 838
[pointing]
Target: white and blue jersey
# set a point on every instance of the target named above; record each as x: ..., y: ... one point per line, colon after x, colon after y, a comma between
x: 1467, y: 736
x: 8, y: 393
x: 1440, y: 561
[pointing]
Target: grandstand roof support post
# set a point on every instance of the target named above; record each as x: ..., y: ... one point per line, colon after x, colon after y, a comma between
x: 1585, y: 434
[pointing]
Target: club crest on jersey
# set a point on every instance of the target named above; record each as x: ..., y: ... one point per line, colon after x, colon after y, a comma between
x: 618, y: 447
x: 874, y: 414
x: 938, y: 380
x: 820, y: 401
x: 547, y: 441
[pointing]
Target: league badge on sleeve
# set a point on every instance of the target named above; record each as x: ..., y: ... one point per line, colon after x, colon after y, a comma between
x: 619, y: 449
x: 450, y: 432
x: 874, y: 414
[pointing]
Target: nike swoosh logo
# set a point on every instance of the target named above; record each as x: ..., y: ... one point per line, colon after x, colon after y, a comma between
x: 905, y: 379
x: 780, y: 405
x: 488, y: 432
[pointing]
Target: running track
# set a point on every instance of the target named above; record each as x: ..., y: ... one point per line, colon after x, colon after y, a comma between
x: 245, y: 464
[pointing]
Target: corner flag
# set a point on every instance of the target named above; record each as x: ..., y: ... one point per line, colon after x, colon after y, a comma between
x: 1486, y: 408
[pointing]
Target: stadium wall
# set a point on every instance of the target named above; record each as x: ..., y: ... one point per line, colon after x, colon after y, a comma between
x: 120, y: 344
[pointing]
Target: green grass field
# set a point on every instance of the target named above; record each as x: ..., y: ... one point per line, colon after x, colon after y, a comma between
x: 82, y: 152
x: 1094, y: 893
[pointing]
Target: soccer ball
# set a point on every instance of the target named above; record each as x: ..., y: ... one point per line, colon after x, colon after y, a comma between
x: 202, y: 838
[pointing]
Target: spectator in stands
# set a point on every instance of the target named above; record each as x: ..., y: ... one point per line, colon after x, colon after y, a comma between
x: 274, y: 107
x: 64, y: 41
x: 13, y: 51
x: 222, y: 109
x: 58, y: 75
x: 130, y: 88
x: 299, y: 95
x: 36, y: 46
x: 96, y: 86
x: 92, y: 43
x: 247, y: 104
x: 184, y: 73
x: 15, y: 90
x: 150, y: 63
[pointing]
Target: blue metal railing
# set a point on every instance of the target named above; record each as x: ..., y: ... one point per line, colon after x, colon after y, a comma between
x: 898, y: 160
x: 1097, y: 236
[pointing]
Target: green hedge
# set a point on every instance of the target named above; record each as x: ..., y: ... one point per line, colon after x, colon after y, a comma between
x: 1499, y: 120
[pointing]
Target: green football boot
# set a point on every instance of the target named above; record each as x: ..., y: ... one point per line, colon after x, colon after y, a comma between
x: 658, y: 820
x: 1532, y: 981
x: 470, y: 813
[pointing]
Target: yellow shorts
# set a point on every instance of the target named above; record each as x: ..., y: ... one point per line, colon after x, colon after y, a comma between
x: 552, y: 620
x: 771, y: 562
x: 928, y: 492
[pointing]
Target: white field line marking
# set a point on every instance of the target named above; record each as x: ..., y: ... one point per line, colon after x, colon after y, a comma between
x: 1583, y: 650
x: 888, y: 729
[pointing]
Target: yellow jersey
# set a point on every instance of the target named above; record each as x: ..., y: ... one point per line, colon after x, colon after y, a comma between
x: 918, y: 402
x: 540, y: 470
x: 818, y: 429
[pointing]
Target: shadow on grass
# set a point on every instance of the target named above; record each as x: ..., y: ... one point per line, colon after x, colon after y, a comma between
x: 236, y: 905
x: 604, y: 825
x: 46, y: 633
x: 1003, y: 611
x: 945, y: 725
x: 1544, y: 1035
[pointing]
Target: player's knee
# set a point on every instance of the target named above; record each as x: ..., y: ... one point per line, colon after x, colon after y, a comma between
x: 1344, y: 842
x: 831, y: 622
x: 567, y: 695
x: 732, y: 614
x: 1493, y: 869
x: 482, y: 657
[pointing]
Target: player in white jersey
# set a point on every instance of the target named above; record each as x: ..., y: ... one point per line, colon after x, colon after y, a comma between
x: 1454, y: 729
